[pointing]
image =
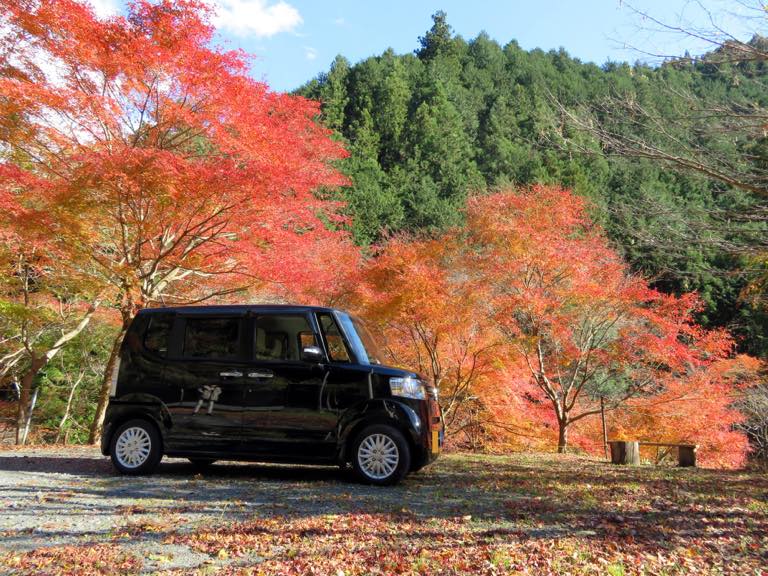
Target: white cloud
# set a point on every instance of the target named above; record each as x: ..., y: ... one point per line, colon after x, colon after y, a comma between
x: 258, y: 17
x: 339, y: 21
x: 310, y: 53
x: 105, y: 8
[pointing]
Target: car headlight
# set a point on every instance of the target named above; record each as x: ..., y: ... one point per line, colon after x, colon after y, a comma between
x: 407, y: 387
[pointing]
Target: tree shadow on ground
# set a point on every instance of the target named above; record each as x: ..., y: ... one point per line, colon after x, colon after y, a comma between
x: 537, y: 497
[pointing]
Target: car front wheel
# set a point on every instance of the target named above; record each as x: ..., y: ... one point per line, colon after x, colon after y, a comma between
x: 380, y: 455
x: 136, y: 447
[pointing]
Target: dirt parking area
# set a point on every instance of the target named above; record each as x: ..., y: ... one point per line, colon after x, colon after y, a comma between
x: 64, y: 511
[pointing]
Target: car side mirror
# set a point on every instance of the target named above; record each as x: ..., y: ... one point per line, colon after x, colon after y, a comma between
x: 312, y: 354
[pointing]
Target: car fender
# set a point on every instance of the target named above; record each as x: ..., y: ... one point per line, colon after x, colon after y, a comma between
x: 130, y: 406
x: 378, y: 411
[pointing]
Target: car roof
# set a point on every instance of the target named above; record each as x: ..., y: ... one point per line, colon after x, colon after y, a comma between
x: 236, y: 308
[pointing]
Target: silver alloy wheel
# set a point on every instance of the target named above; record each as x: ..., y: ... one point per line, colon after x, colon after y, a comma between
x: 378, y: 456
x: 133, y: 447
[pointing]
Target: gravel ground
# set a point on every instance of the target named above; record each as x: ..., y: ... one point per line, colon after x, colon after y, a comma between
x: 64, y: 511
x: 73, y: 496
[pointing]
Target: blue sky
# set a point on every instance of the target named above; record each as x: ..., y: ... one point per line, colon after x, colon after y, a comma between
x: 294, y: 40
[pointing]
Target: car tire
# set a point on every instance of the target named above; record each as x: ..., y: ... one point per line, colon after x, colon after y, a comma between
x: 380, y: 455
x: 136, y: 447
x: 202, y: 463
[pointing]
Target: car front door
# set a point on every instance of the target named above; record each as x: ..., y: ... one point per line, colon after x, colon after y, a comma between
x: 348, y: 383
x: 283, y: 412
x: 206, y: 374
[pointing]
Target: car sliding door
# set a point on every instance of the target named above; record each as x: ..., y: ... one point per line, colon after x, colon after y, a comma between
x: 206, y: 371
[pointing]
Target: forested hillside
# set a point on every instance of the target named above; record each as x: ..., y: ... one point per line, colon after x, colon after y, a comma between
x: 457, y: 117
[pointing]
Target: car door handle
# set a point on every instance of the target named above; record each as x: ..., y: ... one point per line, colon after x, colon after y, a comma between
x: 261, y: 374
x: 231, y: 374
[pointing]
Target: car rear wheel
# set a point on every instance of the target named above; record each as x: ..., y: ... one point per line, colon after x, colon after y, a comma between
x: 136, y: 447
x: 380, y: 455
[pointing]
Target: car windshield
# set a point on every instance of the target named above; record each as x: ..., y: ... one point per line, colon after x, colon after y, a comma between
x: 363, y: 343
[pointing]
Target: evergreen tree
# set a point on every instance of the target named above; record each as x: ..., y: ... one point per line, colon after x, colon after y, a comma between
x: 427, y: 129
x: 439, y: 149
x: 333, y: 94
x: 391, y: 114
x: 438, y: 39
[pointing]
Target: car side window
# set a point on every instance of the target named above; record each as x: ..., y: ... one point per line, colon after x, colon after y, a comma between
x: 281, y: 337
x: 214, y: 338
x: 156, y: 334
x: 337, y: 349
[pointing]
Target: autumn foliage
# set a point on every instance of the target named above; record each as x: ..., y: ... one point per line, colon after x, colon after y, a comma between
x: 137, y: 147
x: 157, y: 154
x: 143, y: 165
x: 529, y: 319
x: 700, y: 408
x: 415, y: 291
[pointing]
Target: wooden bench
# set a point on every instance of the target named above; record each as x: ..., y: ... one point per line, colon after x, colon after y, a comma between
x: 628, y: 452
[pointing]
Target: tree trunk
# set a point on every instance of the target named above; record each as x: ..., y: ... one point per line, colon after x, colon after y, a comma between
x: 25, y: 396
x: 562, y: 440
x: 25, y: 393
x: 68, y: 407
x: 605, y: 429
x: 106, y: 384
x: 28, y: 423
x: 37, y: 363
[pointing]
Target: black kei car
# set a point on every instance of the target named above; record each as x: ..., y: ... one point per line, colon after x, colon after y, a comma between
x: 271, y: 383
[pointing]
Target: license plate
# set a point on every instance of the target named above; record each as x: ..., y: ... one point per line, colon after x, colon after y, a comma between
x: 435, y: 441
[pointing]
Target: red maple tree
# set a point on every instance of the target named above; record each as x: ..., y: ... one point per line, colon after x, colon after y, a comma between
x: 698, y: 408
x: 160, y: 158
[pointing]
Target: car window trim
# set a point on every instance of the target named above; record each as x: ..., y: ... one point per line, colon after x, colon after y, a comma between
x: 251, y: 333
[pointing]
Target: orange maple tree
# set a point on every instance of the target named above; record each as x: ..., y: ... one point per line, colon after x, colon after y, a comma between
x: 415, y: 293
x: 583, y: 327
x: 160, y: 158
x: 46, y: 301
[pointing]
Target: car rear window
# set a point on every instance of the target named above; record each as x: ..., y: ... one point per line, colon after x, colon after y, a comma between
x: 217, y: 338
x: 156, y: 334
